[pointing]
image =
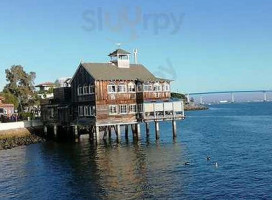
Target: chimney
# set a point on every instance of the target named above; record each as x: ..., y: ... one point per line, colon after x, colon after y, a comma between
x: 135, y: 51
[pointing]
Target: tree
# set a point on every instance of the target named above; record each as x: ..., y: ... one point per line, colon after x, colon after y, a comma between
x: 21, y: 85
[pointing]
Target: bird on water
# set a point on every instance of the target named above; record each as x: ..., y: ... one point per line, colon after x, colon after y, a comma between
x: 187, y: 163
x: 208, y: 158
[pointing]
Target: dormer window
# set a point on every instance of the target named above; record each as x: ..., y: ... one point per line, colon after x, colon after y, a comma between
x: 112, y: 88
x: 139, y: 87
x: 122, y: 88
x: 166, y: 87
x: 157, y: 87
x: 148, y: 87
x: 131, y: 87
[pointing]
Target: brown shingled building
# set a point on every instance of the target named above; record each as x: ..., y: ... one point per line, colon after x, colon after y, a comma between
x: 106, y: 96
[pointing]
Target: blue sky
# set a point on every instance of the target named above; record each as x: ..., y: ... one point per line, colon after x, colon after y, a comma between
x: 204, y: 45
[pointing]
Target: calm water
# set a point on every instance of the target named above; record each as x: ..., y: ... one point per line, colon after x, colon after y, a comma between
x: 237, y: 136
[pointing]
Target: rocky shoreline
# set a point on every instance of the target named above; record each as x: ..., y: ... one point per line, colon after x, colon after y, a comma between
x: 19, y: 137
x: 194, y: 107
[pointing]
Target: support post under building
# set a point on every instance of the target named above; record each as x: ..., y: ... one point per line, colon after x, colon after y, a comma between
x: 118, y: 133
x: 157, y: 130
x: 174, y: 126
x: 138, y: 129
x: 147, y: 127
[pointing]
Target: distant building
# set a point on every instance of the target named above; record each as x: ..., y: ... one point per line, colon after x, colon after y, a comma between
x: 45, y: 86
x: 46, y: 90
x: 6, y: 109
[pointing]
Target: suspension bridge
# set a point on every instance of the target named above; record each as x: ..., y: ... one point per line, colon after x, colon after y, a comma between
x: 232, y: 93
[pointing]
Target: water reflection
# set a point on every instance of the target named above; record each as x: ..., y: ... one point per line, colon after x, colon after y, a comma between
x: 130, y: 170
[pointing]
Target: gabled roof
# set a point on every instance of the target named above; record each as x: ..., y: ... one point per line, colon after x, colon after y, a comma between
x: 119, y: 52
x: 109, y: 71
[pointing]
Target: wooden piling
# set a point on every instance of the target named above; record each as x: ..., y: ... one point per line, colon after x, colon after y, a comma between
x: 157, y: 130
x: 76, y: 133
x: 138, y: 129
x: 55, y: 130
x: 118, y: 133
x: 126, y: 132
x: 45, y: 130
x: 147, y: 128
x: 174, y: 126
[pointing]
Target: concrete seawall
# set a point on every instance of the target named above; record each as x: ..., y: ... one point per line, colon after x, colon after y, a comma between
x: 20, y: 133
x: 23, y: 124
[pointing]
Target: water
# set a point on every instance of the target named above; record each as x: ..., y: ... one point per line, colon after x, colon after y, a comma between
x: 236, y: 136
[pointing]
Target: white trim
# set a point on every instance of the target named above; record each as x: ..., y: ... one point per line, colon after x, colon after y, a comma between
x: 116, y: 107
x: 120, y: 109
x: 129, y: 110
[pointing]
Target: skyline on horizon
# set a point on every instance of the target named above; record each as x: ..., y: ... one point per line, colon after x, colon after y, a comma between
x: 203, y: 46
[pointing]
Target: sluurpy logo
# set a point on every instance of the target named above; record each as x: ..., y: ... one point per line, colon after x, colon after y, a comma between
x: 131, y: 22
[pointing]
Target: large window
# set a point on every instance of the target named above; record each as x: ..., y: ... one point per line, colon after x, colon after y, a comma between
x: 113, y: 109
x: 148, y: 87
x: 139, y: 87
x: 123, y: 109
x: 112, y: 88
x: 133, y: 108
x: 91, y: 89
x: 166, y: 87
x: 157, y: 87
x: 80, y: 110
x: 140, y: 107
x: 85, y: 89
x: 122, y: 88
x: 92, y: 110
x: 131, y: 87
x: 79, y: 90
x: 86, y: 111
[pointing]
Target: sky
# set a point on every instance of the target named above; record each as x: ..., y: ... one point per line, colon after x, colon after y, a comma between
x: 203, y: 45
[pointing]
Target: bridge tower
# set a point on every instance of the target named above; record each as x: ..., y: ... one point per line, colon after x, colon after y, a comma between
x: 265, y: 96
x: 232, y: 98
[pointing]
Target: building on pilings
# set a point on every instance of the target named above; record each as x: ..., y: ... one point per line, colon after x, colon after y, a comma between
x: 105, y: 96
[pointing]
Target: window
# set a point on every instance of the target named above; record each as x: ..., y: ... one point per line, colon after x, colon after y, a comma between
x: 91, y: 89
x: 148, y: 87
x: 123, y: 109
x: 131, y: 87
x: 139, y: 87
x: 166, y: 87
x: 80, y: 111
x: 113, y: 109
x: 79, y: 90
x: 133, y: 108
x: 157, y: 87
x: 85, y: 89
x: 122, y: 88
x: 86, y: 111
x: 92, y: 110
x: 112, y: 88
x: 140, y: 107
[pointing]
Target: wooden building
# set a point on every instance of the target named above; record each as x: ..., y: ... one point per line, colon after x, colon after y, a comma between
x: 105, y: 96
